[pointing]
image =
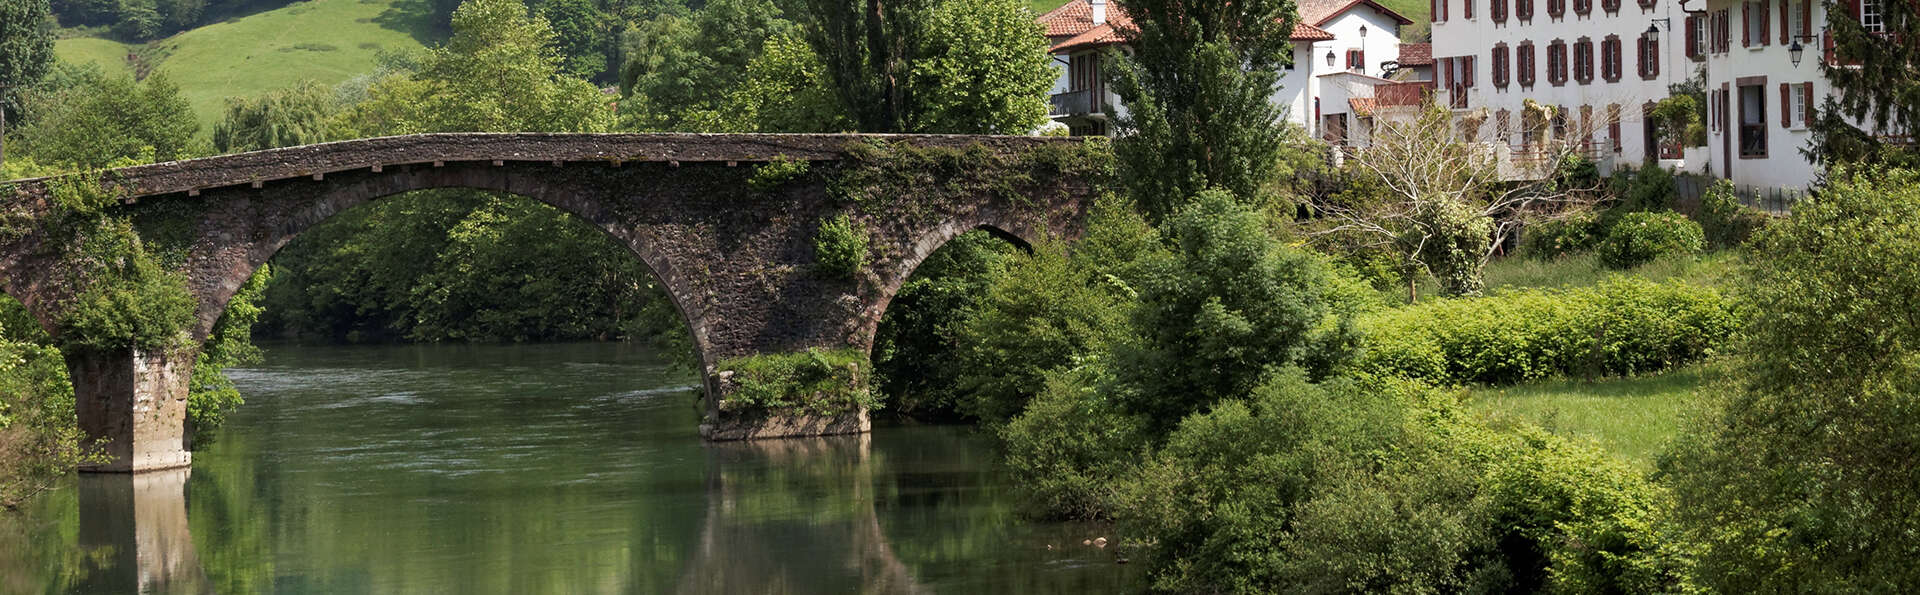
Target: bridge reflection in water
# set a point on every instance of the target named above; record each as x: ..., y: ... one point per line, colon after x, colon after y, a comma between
x: 134, y: 528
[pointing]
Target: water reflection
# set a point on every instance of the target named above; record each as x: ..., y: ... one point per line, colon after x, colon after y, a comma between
x: 538, y: 469
x: 136, y: 528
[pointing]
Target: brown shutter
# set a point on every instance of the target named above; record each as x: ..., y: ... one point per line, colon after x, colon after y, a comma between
x: 1786, y: 6
x: 1786, y: 105
x: 1691, y: 37
x: 1746, y: 32
x: 1765, y: 22
x: 1467, y: 8
x: 1806, y: 17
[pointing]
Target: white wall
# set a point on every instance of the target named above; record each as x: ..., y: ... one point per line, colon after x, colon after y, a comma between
x: 1477, y: 37
x: 1381, y: 44
x: 1784, y: 166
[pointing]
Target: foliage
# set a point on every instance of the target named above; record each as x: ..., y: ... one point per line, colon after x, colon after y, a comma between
x: 1554, y: 238
x: 1048, y: 312
x: 931, y: 66
x: 778, y: 172
x: 918, y: 348
x: 1622, y: 326
x: 211, y: 395
x: 840, y: 247
x: 1794, y: 475
x: 1198, y: 84
x: 284, y: 118
x: 26, y: 50
x: 1222, y: 309
x: 104, y: 120
x: 694, y: 69
x: 39, y: 441
x: 1442, y: 206
x: 1647, y: 190
x: 1639, y: 238
x: 1875, y: 77
x: 785, y: 90
x: 499, y: 72
x: 1679, y: 121
x: 1725, y: 222
x: 1073, y: 444
x: 129, y: 300
x: 815, y: 381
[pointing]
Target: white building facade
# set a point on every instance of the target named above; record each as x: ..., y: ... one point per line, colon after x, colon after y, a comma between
x: 1352, y: 41
x: 1761, y: 97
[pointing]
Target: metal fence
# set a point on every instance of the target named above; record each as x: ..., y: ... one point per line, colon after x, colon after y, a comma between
x: 1771, y: 200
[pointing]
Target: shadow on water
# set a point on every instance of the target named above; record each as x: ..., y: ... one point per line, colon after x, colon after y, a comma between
x: 538, y: 469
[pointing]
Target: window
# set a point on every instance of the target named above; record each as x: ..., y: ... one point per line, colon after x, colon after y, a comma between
x: 1646, y: 5
x: 1502, y: 66
x: 1613, y: 125
x: 1582, y: 7
x: 1610, y: 58
x: 1789, y: 21
x: 1753, y: 23
x: 1806, y: 104
x: 1466, y: 7
x: 1503, y: 126
x: 1523, y: 9
x: 1357, y: 61
x: 1557, y: 63
x: 1722, y: 30
x: 1557, y: 8
x: 1084, y: 71
x: 1583, y: 61
x: 1649, y: 58
x: 1611, y: 6
x: 1525, y: 61
x: 1696, y: 37
x: 1498, y: 9
x: 1753, y: 126
x: 1873, y: 16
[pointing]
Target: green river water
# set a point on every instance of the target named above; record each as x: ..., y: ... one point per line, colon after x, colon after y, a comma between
x: 573, y: 468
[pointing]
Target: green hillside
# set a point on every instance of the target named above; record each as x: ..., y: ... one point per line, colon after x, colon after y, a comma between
x: 322, y: 40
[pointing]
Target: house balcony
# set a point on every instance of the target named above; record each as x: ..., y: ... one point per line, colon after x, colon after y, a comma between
x: 1084, y: 102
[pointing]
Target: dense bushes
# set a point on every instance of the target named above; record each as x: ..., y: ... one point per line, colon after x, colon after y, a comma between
x: 1554, y: 238
x: 1638, y: 238
x: 840, y: 247
x: 1800, y: 476
x: 815, y: 381
x: 1622, y: 326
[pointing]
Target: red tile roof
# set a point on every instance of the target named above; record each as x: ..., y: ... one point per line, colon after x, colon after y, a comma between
x: 1318, y: 12
x: 1416, y: 54
x: 1071, y: 27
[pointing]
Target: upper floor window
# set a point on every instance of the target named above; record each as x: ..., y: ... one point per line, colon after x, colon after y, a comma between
x: 1357, y: 61
x: 1498, y: 10
x: 1722, y: 31
x: 1582, y: 7
x: 1649, y: 57
x: 1873, y: 16
x: 1583, y: 61
x: 1557, y: 63
x: 1753, y: 23
x: 1524, y: 59
x: 1610, y: 58
x: 1556, y: 8
x: 1502, y: 66
x: 1611, y: 6
x: 1523, y: 9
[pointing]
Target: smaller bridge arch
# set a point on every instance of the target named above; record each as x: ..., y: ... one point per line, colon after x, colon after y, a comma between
x: 729, y: 236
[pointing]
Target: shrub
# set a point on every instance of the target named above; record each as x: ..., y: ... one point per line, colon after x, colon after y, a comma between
x: 1622, y: 326
x: 1072, y: 445
x: 1639, y: 238
x: 777, y: 172
x: 1724, y: 220
x: 815, y: 381
x: 1800, y: 472
x: 1553, y: 238
x: 840, y: 247
x: 130, y: 301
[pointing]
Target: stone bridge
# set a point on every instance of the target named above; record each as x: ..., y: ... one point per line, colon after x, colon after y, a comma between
x: 725, y: 222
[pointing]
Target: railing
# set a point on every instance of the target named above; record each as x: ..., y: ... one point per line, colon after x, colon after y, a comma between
x: 1408, y: 93
x: 1077, y: 103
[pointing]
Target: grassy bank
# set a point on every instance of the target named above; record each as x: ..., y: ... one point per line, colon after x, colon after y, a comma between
x: 1631, y: 417
x: 327, y: 41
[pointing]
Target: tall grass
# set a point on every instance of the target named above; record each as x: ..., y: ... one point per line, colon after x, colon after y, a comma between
x: 1630, y: 417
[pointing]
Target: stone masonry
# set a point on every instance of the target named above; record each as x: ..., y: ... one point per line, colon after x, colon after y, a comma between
x: 737, y: 261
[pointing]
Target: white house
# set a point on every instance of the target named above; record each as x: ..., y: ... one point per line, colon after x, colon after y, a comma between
x: 1764, y: 84
x: 1333, y: 37
x: 1590, y: 68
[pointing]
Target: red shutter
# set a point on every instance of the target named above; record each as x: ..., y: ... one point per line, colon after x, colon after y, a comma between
x: 1446, y: 71
x: 1806, y: 17
x: 1766, y: 23
x: 1653, y: 58
x: 1806, y: 96
x: 1746, y: 29
x: 1466, y: 8
x: 1786, y: 105
x: 1433, y: 11
x: 1786, y: 8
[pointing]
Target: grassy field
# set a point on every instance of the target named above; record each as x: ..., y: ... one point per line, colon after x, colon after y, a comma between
x: 1631, y: 417
x: 110, y: 55
x: 327, y: 41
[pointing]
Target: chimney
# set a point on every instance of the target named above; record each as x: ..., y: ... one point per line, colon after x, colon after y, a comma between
x: 1099, y: 11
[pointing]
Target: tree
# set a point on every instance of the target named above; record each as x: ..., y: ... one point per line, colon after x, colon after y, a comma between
x: 283, y: 118
x: 26, y: 48
x: 1800, y: 473
x: 939, y: 66
x: 1445, y: 206
x: 684, y: 85
x: 103, y: 120
x: 1198, y: 86
x: 1876, y: 75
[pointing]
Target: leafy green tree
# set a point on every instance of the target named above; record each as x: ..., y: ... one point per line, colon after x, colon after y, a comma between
x: 1227, y: 306
x: 694, y: 77
x: 1799, y: 474
x: 582, y: 32
x: 109, y: 119
x: 939, y: 66
x: 1198, y: 83
x: 785, y: 90
x: 283, y: 118
x: 1876, y: 77
x: 26, y: 48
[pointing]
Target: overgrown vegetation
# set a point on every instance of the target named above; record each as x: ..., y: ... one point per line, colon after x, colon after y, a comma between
x: 826, y: 382
x: 840, y: 247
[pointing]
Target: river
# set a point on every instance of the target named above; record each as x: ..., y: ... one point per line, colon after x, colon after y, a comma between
x: 570, y: 468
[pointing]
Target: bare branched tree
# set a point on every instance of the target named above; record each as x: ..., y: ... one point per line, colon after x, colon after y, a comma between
x: 1444, y: 193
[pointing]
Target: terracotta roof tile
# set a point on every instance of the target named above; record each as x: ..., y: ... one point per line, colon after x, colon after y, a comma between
x: 1362, y: 105
x: 1416, y: 54
x: 1071, y: 25
x: 1306, y: 32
